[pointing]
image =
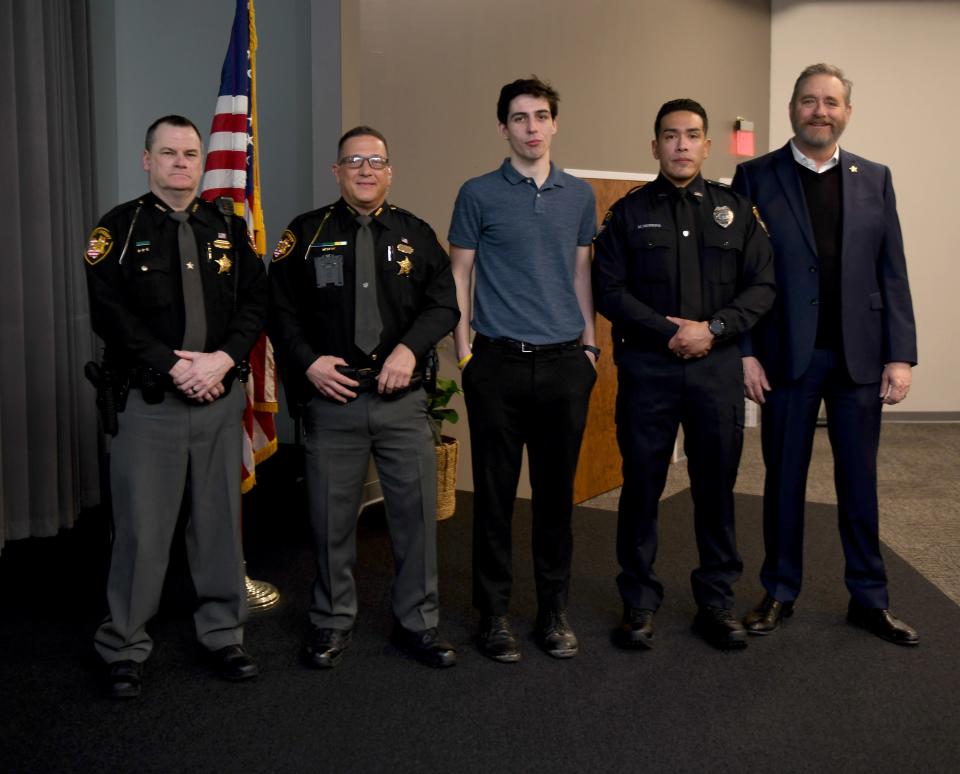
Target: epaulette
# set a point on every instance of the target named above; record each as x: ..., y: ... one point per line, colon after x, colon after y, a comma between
x: 288, y: 240
x: 407, y: 213
x: 717, y: 183
x: 121, y: 208
x: 225, y: 205
x: 635, y: 189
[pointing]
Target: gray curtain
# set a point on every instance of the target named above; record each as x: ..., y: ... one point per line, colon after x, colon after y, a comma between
x: 48, y: 432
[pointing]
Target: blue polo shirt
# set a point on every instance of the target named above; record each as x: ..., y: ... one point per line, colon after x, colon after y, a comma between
x: 525, y: 240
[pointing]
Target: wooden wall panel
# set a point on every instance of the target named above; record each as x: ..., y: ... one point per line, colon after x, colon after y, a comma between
x: 599, y: 469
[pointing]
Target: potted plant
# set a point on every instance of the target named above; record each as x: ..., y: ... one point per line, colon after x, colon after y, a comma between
x: 448, y: 448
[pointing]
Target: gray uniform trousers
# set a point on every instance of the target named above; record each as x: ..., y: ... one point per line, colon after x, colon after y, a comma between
x: 161, y: 452
x: 338, y: 441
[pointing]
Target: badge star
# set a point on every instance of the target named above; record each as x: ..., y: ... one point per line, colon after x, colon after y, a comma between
x: 853, y: 168
x: 404, y: 267
x: 224, y: 263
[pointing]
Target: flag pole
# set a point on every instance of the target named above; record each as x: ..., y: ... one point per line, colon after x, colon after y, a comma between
x: 232, y: 170
x: 261, y: 595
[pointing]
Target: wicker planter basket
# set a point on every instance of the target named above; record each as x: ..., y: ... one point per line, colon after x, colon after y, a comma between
x: 447, y: 453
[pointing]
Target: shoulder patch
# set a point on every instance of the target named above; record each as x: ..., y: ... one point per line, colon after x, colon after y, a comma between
x: 284, y: 246
x: 603, y: 224
x: 756, y: 214
x: 99, y: 245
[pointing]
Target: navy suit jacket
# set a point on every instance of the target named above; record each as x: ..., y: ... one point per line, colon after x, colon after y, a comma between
x: 876, y: 308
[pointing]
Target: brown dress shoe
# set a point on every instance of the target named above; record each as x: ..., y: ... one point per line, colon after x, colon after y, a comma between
x: 883, y: 623
x: 765, y: 618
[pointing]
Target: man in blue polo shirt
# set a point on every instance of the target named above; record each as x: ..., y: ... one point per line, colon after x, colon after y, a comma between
x: 526, y: 228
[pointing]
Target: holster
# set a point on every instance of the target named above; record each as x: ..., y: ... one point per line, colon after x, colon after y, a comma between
x: 112, y: 386
x: 431, y: 366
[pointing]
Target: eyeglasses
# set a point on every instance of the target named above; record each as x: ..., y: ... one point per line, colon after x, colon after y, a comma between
x: 355, y: 162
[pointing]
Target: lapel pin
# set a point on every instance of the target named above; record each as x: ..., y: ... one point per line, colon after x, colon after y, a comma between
x: 853, y: 168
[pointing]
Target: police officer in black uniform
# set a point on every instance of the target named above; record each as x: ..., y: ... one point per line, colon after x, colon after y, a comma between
x: 682, y: 267
x: 361, y: 291
x: 179, y: 296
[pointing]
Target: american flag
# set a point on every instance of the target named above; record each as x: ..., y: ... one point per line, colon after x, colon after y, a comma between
x: 232, y: 169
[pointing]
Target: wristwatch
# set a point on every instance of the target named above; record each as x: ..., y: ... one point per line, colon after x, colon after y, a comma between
x: 717, y: 327
x: 594, y: 350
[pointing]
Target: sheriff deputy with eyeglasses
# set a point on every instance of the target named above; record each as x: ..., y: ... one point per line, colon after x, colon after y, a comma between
x: 361, y: 291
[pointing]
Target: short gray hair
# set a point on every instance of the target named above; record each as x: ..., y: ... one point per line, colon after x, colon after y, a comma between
x: 822, y: 69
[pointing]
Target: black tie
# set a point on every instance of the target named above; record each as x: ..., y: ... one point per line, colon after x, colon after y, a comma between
x: 366, y: 312
x: 688, y: 257
x: 194, y: 311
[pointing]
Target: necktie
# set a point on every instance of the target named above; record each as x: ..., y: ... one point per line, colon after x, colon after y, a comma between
x: 194, y: 312
x: 366, y: 312
x: 688, y: 257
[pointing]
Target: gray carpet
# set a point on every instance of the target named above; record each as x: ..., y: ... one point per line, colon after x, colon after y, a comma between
x: 818, y: 696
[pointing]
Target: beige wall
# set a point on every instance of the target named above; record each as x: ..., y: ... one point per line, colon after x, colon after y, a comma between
x: 904, y: 63
x: 428, y: 72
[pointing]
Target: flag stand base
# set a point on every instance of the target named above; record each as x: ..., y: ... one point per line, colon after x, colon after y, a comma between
x: 260, y: 594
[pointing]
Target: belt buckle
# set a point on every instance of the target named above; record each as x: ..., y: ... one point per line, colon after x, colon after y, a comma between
x: 524, y: 347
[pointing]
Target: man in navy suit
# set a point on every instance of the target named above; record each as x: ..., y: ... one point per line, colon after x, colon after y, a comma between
x: 841, y: 331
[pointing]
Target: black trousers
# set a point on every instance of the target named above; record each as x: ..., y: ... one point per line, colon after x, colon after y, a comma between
x: 537, y: 399
x: 657, y: 393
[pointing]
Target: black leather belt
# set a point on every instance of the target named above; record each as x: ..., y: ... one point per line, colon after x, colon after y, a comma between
x: 523, y: 346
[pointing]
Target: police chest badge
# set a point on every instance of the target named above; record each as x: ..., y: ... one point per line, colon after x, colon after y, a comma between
x: 723, y: 216
x: 405, y: 265
x: 98, y: 245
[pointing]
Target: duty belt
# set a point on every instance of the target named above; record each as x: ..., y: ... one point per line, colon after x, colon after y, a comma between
x: 366, y: 379
x: 523, y: 346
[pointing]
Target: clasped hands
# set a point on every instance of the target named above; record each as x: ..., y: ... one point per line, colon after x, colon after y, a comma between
x: 199, y: 375
x: 395, y: 374
x: 692, y: 340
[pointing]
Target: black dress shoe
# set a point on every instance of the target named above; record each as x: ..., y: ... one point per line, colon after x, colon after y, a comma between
x: 497, y: 640
x: 765, y: 618
x: 555, y: 635
x: 636, y: 629
x: 426, y: 646
x: 325, y: 648
x: 124, y: 679
x: 233, y: 663
x: 883, y: 623
x: 720, y: 628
